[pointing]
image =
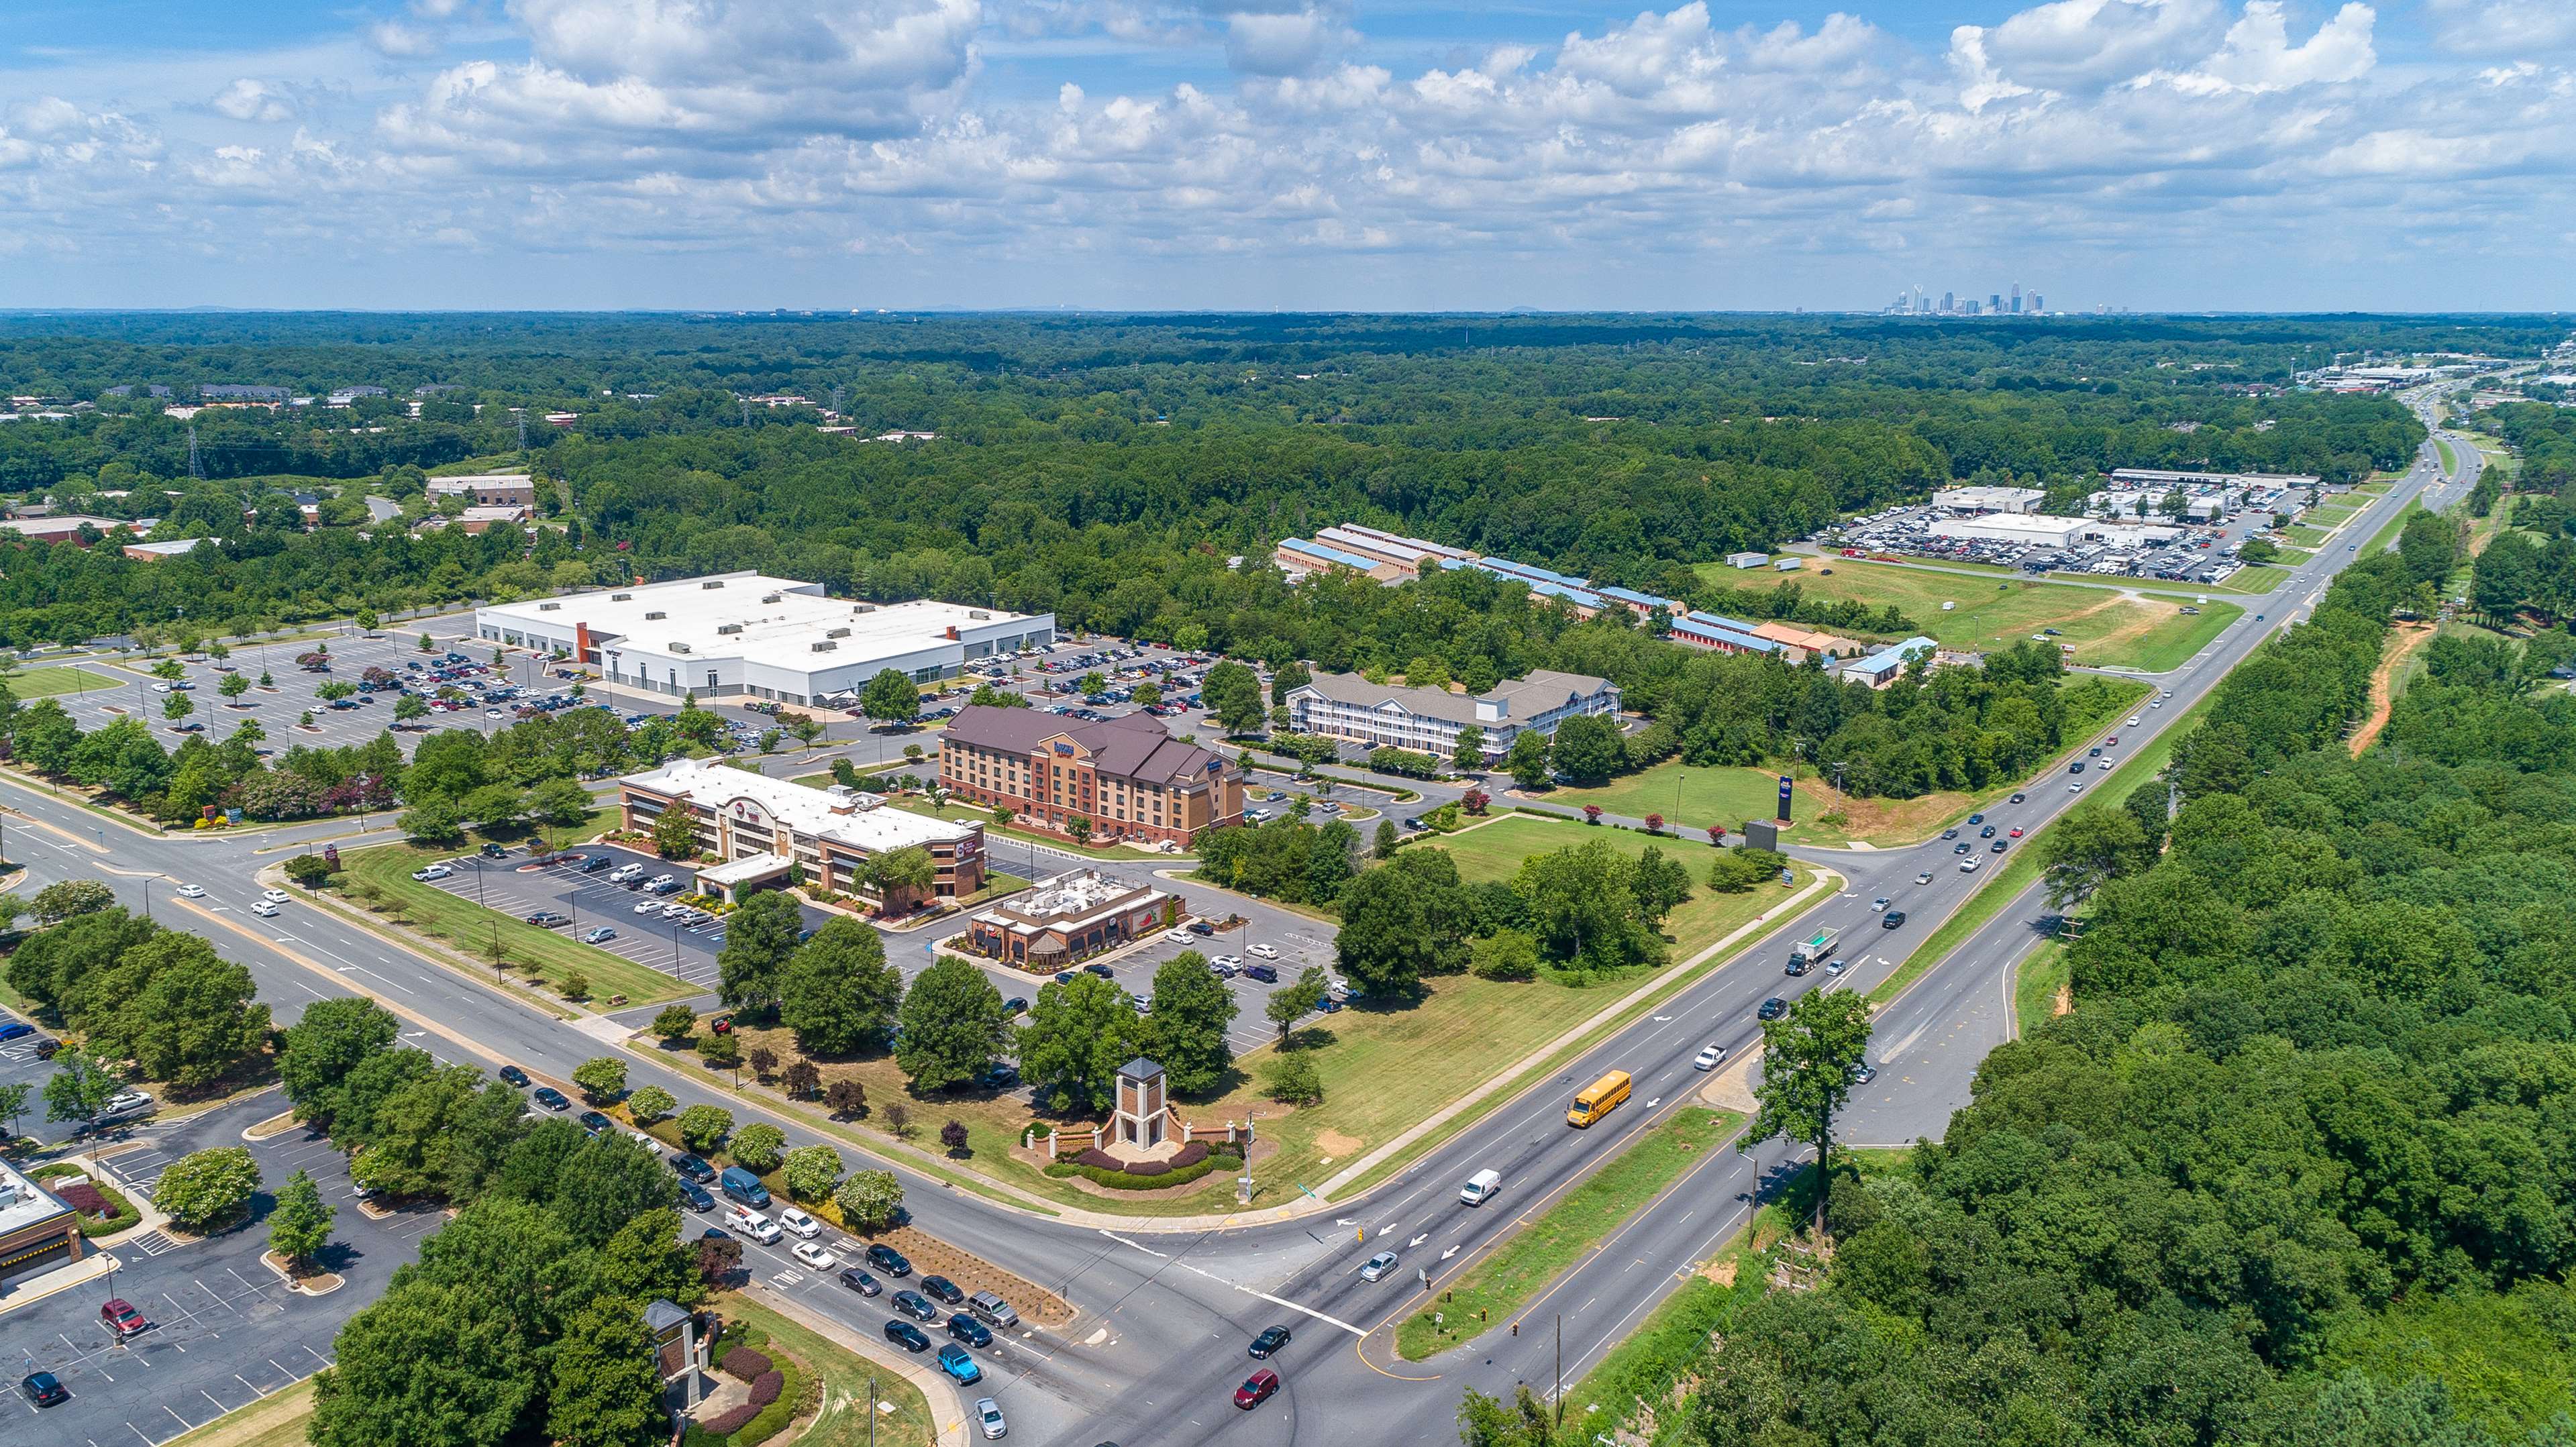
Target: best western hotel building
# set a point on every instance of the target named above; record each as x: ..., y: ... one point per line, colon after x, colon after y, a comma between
x: 1128, y: 776
x: 761, y: 828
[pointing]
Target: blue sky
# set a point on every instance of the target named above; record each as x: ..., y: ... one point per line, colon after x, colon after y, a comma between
x: 2183, y: 154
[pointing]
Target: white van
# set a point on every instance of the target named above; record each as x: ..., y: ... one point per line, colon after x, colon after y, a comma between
x: 1481, y: 1187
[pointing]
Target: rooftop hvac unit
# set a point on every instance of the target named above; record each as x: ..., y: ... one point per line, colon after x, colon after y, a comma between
x: 860, y: 610
x: 548, y: 607
x: 825, y: 647
x: 838, y: 633
x: 655, y: 617
x: 769, y: 597
x: 725, y: 628
x: 711, y: 587
x: 621, y: 597
x: 977, y: 613
x: 682, y: 648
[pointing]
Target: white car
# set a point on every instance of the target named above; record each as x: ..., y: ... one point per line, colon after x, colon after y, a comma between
x: 1262, y: 952
x: 265, y: 909
x: 1924, y: 878
x: 651, y: 1146
x: 1708, y: 1057
x: 650, y: 906
x: 275, y: 896
x: 2155, y: 703
x: 1378, y: 1266
x: 748, y: 1222
x: 1177, y: 936
x: 1880, y: 904
x: 190, y: 891
x: 988, y: 1413
x: 2136, y: 719
x: 816, y: 1255
x: 495, y: 713
x: 800, y: 1223
x: 435, y: 871
x: 1230, y: 962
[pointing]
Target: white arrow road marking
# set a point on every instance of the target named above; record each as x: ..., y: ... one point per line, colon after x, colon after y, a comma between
x: 1452, y: 1251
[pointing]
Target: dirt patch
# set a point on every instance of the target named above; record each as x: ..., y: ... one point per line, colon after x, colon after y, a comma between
x: 2063, y: 1002
x: 2383, y: 698
x: 1721, y: 1271
x: 931, y: 1256
x: 1337, y: 1145
x: 1893, y: 819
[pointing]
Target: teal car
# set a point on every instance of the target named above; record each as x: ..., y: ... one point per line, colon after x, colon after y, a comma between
x: 956, y: 1362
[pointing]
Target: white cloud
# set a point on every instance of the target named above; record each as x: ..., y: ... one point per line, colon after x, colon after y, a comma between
x: 2503, y: 27
x: 1282, y: 43
x: 253, y: 100
x: 2258, y: 55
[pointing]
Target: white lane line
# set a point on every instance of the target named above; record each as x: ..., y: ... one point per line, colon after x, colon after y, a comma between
x: 1239, y: 1286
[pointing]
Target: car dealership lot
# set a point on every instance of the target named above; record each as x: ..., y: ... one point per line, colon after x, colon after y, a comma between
x: 225, y: 1331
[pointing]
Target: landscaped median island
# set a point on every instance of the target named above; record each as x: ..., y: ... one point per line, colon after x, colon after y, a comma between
x: 1545, y: 1247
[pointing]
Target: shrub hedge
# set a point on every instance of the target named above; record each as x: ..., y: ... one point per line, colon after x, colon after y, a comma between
x: 127, y: 1217
x: 780, y: 1389
x: 1132, y: 1181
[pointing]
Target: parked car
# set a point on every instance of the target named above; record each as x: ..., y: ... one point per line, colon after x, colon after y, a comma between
x: 959, y: 1364
x: 907, y: 1336
x: 599, y: 936
x: 693, y: 1168
x: 697, y: 1197
x: 1263, y: 973
x: 915, y: 1305
x: 594, y: 1122
x: 122, y: 1320
x: 548, y: 919
x: 860, y: 1282
x: 888, y: 1260
x: 551, y: 1098
x: 799, y: 1224
x: 42, y: 1390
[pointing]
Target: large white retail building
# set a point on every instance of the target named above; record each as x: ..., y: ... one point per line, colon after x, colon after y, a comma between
x: 743, y: 633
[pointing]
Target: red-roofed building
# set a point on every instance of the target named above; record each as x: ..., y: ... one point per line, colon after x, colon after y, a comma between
x: 1127, y: 775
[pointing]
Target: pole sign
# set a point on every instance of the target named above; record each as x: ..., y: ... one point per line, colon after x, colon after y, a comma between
x: 1785, y: 816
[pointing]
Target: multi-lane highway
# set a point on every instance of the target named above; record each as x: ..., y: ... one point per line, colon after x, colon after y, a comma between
x: 1166, y: 1308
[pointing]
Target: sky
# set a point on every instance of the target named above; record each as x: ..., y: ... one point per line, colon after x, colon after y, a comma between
x: 2406, y: 155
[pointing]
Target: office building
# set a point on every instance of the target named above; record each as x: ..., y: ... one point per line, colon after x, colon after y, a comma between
x: 1428, y: 720
x: 746, y: 634
x: 763, y: 830
x: 2034, y: 530
x: 1886, y: 666
x: 1123, y: 778
x: 495, y: 489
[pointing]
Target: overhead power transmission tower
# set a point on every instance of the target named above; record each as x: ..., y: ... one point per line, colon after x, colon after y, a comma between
x: 196, y: 467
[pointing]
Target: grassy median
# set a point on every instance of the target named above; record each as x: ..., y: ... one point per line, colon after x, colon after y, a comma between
x: 852, y: 1385
x: 1549, y: 1244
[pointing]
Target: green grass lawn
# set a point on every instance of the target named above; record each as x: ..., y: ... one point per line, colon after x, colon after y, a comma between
x: 960, y: 812
x: 844, y: 1417
x: 1692, y: 798
x: 2386, y: 537
x: 1495, y: 851
x: 58, y: 679
x: 2304, y: 536
x: 1546, y: 1247
x: 2450, y: 459
x: 2105, y: 628
x: 276, y: 1420
x: 2036, y: 984
x: 2331, y: 515
x: 2292, y: 557
x: 2253, y: 578
x: 470, y: 928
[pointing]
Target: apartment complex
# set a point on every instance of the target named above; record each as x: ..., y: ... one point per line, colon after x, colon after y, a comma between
x: 1126, y: 777
x: 762, y: 829
x: 1428, y: 720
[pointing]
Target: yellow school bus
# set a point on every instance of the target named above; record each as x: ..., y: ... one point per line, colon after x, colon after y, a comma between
x: 1599, y: 1098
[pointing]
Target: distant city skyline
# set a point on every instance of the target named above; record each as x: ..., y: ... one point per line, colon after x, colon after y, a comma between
x: 2174, y: 155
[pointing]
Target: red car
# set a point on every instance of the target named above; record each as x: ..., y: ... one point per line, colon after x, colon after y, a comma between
x: 1256, y: 1389
x: 2016, y: 833
x: 2112, y: 742
x: 123, y: 1319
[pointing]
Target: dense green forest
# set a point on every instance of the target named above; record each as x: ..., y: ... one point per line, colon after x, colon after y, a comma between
x: 1106, y: 468
x: 2301, y: 1165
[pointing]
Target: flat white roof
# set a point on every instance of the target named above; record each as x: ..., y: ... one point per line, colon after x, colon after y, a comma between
x: 23, y: 1203
x: 776, y: 622
x: 861, y: 821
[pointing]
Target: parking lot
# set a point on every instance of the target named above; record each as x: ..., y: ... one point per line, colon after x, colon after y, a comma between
x: 225, y: 1331
x: 21, y: 1065
x: 2202, y: 554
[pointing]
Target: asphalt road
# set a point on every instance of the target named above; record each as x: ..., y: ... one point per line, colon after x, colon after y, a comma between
x: 1158, y: 1347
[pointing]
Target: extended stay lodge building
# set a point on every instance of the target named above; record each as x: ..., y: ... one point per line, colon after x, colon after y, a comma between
x: 761, y: 830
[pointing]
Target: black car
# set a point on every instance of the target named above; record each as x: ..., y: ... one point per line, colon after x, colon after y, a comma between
x: 1103, y: 971
x: 515, y: 1076
x: 42, y: 1390
x: 691, y: 1168
x: 1986, y: 833
x: 970, y: 1331
x: 593, y: 863
x: 888, y: 1260
x: 1772, y: 1009
x: 915, y: 1305
x: 944, y: 1289
x: 860, y: 1282
x: 697, y: 1197
x: 1998, y: 846
x: 1891, y: 919
x: 551, y: 1098
x: 1949, y: 833
x: 1016, y: 1005
x: 1976, y: 818
x: 593, y: 1122
x: 715, y: 1233
x: 907, y: 1336
x: 548, y: 919
x: 1263, y: 973
x: 494, y: 851
x: 1269, y: 1342
x: 1962, y: 847
x: 2017, y: 796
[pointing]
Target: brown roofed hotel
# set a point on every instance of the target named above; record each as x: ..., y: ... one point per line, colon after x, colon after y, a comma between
x: 1127, y: 776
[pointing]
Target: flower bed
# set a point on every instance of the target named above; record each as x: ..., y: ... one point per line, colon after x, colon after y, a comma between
x: 127, y: 1215
x: 1188, y: 1164
x: 780, y: 1388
